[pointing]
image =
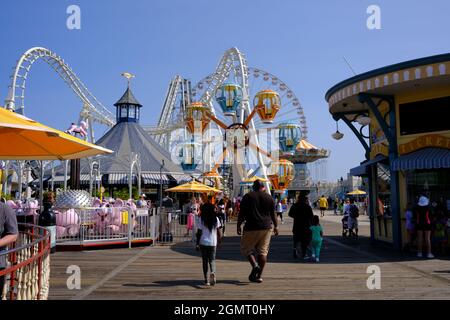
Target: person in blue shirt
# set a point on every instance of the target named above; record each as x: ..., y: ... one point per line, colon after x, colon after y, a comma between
x: 316, y: 238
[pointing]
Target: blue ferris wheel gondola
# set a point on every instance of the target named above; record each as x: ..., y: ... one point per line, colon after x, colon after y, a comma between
x: 189, y: 155
x: 229, y: 98
x: 289, y: 137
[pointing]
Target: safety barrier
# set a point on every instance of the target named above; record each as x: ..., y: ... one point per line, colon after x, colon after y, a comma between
x: 106, y: 225
x: 174, y: 226
x: 27, y: 274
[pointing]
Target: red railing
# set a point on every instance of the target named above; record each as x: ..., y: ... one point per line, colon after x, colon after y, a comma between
x: 27, y: 274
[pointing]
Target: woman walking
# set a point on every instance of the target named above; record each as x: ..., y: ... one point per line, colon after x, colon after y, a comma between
x: 302, y: 214
x: 423, y: 226
x: 208, y: 236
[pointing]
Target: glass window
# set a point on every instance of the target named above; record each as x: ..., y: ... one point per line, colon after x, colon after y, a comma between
x: 424, y: 116
x: 132, y: 112
x: 123, y: 112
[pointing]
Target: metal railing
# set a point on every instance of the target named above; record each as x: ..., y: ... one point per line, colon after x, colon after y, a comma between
x: 174, y: 226
x: 103, y: 225
x: 27, y: 273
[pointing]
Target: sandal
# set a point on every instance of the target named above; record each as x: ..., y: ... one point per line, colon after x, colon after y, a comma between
x: 254, y: 275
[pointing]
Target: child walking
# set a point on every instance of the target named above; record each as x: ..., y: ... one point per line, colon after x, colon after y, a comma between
x: 317, y: 236
x: 208, y: 236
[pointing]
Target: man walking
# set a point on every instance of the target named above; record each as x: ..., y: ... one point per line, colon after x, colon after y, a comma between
x: 323, y: 205
x: 257, y: 211
x: 8, y: 235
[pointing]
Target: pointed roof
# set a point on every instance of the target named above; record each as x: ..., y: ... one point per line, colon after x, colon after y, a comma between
x: 129, y: 137
x: 128, y: 98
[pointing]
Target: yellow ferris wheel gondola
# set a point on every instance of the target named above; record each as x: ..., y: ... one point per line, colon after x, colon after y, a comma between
x: 196, y: 117
x: 267, y: 103
x: 281, y: 174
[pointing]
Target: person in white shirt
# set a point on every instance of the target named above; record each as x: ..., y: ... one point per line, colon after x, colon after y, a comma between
x: 208, y: 237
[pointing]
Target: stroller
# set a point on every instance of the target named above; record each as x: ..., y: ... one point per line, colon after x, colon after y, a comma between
x: 345, y: 230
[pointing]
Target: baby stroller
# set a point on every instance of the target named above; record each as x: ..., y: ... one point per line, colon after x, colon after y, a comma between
x: 345, y: 230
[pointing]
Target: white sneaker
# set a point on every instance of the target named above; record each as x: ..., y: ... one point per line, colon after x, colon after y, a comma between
x: 430, y: 256
x: 317, y: 259
x: 419, y: 254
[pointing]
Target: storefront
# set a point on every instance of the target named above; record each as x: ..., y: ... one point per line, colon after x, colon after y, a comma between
x: 399, y: 113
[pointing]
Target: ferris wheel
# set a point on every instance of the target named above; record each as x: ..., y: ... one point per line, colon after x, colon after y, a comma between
x: 244, y: 117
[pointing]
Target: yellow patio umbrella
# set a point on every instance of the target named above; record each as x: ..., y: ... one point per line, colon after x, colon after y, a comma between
x: 25, y: 139
x: 357, y: 192
x: 253, y: 179
x: 194, y: 187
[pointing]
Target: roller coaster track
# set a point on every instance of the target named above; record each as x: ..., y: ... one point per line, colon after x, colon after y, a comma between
x: 92, y: 109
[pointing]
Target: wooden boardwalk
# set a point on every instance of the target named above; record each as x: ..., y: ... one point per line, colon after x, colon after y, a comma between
x: 174, y: 272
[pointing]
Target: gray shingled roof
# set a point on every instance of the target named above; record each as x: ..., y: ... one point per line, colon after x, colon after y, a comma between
x: 127, y: 137
x: 127, y: 98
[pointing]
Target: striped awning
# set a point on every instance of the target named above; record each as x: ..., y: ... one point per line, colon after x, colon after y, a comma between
x: 155, y: 178
x: 428, y: 158
x: 84, y: 178
x: 118, y: 178
x: 184, y: 178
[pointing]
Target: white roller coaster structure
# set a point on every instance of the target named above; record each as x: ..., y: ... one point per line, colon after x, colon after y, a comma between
x: 92, y: 110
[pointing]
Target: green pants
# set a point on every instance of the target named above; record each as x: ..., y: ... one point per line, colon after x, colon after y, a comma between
x: 315, y: 247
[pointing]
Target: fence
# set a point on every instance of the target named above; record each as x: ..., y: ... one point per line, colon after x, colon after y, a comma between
x: 107, y: 225
x: 27, y: 273
x: 174, y: 226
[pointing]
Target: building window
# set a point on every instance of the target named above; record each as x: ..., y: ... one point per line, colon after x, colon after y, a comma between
x: 424, y: 116
x: 123, y: 112
x: 132, y: 112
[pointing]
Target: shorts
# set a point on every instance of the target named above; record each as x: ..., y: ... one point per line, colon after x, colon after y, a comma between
x: 323, y: 208
x: 352, y: 223
x: 279, y: 214
x: 423, y: 227
x: 256, y: 241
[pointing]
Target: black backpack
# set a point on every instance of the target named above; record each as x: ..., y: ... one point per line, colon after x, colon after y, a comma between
x: 354, y: 212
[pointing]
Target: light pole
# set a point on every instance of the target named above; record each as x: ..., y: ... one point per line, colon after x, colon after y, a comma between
x: 160, y: 185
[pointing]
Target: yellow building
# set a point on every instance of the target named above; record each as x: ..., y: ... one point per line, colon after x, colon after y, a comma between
x: 401, y: 116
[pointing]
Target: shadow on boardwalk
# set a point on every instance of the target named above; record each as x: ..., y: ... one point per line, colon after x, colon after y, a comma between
x: 335, y: 250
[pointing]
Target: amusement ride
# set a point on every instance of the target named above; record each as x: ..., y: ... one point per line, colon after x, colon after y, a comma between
x: 234, y: 124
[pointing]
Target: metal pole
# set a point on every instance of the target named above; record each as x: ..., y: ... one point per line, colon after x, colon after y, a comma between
x: 41, y: 186
x: 65, y: 174
x: 160, y: 185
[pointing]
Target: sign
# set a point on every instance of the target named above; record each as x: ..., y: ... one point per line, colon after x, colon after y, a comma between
x: 124, y: 217
x: 427, y: 141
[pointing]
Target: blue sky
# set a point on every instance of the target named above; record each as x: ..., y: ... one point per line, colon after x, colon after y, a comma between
x: 302, y: 42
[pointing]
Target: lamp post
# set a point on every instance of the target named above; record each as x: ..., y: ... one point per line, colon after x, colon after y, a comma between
x: 160, y: 185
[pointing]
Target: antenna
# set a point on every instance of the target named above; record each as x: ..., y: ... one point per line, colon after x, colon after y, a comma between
x: 348, y: 64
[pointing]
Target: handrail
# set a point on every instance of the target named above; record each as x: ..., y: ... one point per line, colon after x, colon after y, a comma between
x: 28, y: 273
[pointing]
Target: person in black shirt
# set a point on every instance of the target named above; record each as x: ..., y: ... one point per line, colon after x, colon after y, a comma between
x: 302, y: 214
x: 257, y: 211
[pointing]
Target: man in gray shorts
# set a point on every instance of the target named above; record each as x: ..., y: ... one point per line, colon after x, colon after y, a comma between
x: 8, y: 235
x: 257, y: 210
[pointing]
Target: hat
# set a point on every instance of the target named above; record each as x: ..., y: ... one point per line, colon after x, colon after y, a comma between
x: 423, y: 201
x: 143, y: 195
